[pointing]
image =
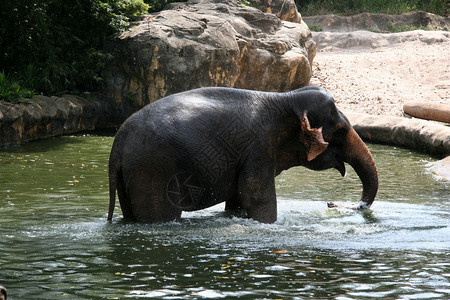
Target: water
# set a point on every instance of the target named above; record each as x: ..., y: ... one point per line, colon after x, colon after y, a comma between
x: 56, y: 243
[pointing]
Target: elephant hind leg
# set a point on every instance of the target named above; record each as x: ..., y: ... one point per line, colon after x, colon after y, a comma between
x: 149, y: 204
x: 124, y: 200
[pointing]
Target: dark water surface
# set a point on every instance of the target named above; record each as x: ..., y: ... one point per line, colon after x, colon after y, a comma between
x: 56, y: 243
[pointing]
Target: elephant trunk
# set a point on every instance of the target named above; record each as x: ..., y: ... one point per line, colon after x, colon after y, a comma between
x: 359, y: 157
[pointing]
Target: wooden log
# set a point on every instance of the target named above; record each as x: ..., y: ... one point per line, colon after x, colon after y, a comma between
x: 428, y: 111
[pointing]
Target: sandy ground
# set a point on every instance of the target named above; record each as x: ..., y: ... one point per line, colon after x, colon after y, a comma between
x: 380, y: 80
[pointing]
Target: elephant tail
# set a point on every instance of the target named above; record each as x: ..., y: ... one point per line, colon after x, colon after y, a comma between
x: 113, y: 180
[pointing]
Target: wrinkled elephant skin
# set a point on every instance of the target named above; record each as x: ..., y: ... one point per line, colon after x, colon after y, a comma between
x: 192, y: 150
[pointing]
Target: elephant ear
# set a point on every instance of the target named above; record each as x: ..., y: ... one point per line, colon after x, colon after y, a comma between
x: 312, y: 139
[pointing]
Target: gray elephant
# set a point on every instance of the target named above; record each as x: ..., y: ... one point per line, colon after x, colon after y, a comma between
x: 198, y: 148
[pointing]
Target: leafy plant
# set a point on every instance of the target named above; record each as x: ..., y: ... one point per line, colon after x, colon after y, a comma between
x: 402, y: 28
x: 245, y: 3
x: 11, y: 89
x: 30, y: 77
x: 315, y: 27
x: 56, y: 46
x: 158, y: 5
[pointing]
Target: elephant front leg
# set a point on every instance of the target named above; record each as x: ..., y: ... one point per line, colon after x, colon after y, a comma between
x: 233, y: 208
x: 257, y: 195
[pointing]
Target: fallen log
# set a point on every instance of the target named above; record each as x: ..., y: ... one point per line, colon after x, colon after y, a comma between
x: 429, y: 111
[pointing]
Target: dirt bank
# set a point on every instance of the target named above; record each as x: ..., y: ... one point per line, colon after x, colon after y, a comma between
x: 377, y: 73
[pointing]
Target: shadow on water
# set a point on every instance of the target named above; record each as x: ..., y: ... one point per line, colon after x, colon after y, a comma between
x: 59, y: 143
x: 46, y: 145
x: 56, y: 242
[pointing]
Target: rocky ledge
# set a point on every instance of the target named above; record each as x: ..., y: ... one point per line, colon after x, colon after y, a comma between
x: 328, y: 41
x: 420, y: 135
x: 378, y: 22
x: 43, y: 117
x: 415, y: 134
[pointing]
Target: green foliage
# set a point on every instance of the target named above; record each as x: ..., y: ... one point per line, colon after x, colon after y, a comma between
x: 158, y: 5
x: 56, y: 46
x: 12, y: 89
x: 315, y: 27
x: 403, y: 28
x: 349, y: 7
x: 245, y: 3
x: 129, y: 8
x: 439, y: 7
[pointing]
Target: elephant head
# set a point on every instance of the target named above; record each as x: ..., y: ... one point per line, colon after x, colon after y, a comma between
x: 329, y: 141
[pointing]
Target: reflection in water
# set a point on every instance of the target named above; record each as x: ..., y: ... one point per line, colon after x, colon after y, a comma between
x: 56, y: 242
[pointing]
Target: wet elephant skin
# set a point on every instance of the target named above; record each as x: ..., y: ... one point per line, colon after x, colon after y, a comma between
x: 192, y: 150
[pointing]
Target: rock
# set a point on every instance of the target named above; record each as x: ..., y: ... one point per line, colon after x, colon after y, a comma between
x: 283, y: 9
x: 378, y: 22
x: 442, y: 168
x: 365, y: 30
x: 43, y: 117
x: 209, y: 43
x: 429, y: 111
x: 326, y: 41
x: 415, y: 134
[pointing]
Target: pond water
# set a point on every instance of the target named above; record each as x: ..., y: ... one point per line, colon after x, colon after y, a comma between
x: 56, y: 242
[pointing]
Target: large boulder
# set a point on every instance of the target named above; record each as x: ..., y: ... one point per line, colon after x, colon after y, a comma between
x: 210, y: 43
x: 283, y: 9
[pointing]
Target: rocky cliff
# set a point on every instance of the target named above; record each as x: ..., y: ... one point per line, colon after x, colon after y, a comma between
x: 211, y: 43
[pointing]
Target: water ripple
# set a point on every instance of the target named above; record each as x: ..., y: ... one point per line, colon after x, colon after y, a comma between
x: 57, y: 244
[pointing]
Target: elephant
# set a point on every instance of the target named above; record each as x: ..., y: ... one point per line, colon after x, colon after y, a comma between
x: 195, y: 149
